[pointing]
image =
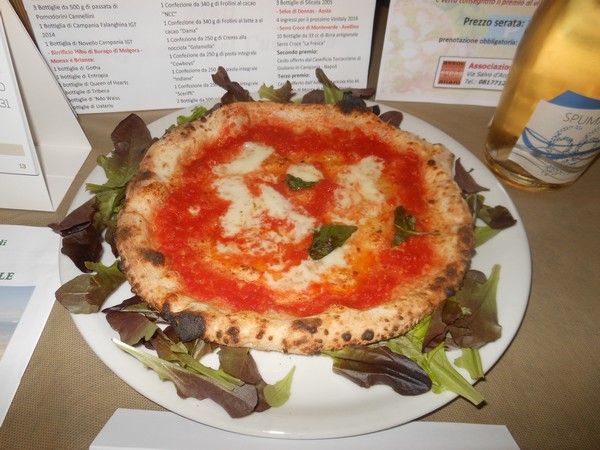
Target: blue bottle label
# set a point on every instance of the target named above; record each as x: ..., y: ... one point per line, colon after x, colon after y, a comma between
x: 561, y: 139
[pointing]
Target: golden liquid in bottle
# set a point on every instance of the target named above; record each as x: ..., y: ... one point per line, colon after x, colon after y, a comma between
x: 560, y: 51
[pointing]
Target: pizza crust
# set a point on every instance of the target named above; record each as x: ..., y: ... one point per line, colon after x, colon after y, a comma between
x: 153, y: 279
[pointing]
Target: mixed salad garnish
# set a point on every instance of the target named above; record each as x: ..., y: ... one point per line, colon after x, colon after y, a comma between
x: 411, y: 364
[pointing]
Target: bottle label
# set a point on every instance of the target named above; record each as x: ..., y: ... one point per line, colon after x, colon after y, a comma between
x: 561, y: 138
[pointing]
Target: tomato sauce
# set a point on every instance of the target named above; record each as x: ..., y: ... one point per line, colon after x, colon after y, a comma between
x: 189, y: 224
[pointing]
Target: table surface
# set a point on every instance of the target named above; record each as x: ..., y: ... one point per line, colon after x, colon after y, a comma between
x: 545, y: 388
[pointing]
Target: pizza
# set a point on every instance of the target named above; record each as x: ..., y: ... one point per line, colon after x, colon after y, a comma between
x: 294, y: 228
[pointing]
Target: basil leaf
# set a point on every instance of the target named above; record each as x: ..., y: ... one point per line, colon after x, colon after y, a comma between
x: 405, y: 226
x: 328, y: 238
x: 297, y: 184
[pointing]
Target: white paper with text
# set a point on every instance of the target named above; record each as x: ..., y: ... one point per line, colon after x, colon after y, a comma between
x: 148, y: 54
x: 28, y: 279
x: 448, y: 51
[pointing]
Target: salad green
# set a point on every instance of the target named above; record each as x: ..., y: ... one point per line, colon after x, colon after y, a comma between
x: 410, y: 364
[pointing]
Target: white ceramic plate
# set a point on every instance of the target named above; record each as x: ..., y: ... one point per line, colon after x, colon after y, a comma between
x: 322, y: 404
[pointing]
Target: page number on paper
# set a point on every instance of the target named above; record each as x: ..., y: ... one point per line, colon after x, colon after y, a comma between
x: 3, y: 101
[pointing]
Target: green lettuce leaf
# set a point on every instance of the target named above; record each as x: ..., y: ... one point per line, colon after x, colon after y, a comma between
x: 283, y: 94
x: 86, y: 293
x: 278, y: 394
x: 471, y: 361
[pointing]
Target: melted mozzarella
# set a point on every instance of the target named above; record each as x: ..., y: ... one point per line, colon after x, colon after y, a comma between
x: 358, y: 191
x: 250, y: 159
x: 305, y: 172
x: 308, y: 271
x: 247, y: 217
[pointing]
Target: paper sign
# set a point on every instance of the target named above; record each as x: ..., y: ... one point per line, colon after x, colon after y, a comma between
x: 448, y: 51
x: 17, y: 152
x: 149, y: 54
x: 28, y: 279
x: 42, y: 146
x: 128, y: 430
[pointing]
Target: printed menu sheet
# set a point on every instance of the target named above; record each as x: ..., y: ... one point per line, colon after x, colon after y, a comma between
x: 450, y: 51
x: 149, y: 54
x: 28, y: 279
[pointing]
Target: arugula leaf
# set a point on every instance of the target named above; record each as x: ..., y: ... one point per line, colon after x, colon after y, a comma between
x: 239, y: 401
x: 471, y: 361
x: 278, y: 394
x: 86, y: 293
x: 405, y: 226
x: 329, y: 237
x: 297, y: 184
x: 368, y: 366
x: 283, y: 94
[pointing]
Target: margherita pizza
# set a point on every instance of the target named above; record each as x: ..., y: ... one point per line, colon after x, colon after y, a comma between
x: 276, y: 227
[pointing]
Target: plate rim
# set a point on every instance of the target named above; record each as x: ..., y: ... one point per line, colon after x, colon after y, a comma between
x: 259, y: 424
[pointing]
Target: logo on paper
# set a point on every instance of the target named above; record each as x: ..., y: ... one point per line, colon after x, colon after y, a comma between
x: 452, y: 72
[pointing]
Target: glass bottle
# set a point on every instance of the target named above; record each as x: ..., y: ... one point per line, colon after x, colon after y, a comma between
x: 546, y: 129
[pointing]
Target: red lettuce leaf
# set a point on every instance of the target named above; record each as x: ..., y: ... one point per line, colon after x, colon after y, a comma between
x: 81, y: 235
x: 465, y: 181
x: 368, y: 366
x: 239, y: 401
x: 133, y: 328
x: 235, y: 91
x: 238, y: 362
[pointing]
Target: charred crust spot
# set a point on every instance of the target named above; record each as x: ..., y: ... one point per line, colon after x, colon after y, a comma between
x: 431, y: 162
x: 367, y: 335
x: 450, y: 291
x: 451, y: 272
x: 310, y: 325
x: 347, y: 336
x: 153, y: 257
x: 145, y: 175
x: 233, y: 333
x: 124, y: 233
x: 187, y: 326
